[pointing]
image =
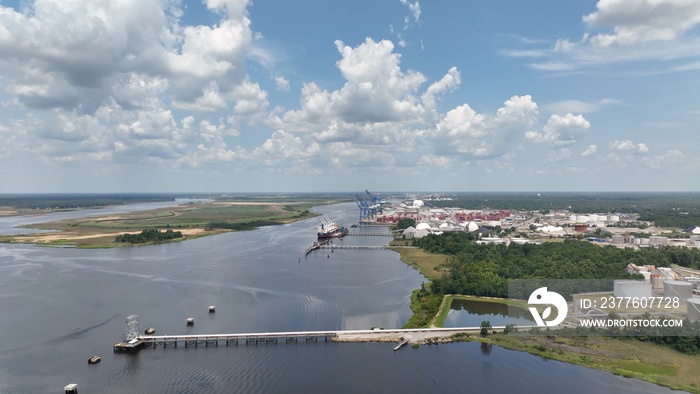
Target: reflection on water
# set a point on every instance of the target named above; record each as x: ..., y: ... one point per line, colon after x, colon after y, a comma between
x: 471, y: 313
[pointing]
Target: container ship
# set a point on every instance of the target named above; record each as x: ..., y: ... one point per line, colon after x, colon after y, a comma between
x: 329, y: 229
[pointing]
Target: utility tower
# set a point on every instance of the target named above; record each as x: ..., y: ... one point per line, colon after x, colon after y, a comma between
x: 132, y: 327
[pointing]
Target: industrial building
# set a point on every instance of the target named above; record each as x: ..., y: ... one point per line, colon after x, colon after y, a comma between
x: 631, y: 288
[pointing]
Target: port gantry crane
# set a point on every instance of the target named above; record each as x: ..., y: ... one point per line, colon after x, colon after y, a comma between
x: 368, y: 207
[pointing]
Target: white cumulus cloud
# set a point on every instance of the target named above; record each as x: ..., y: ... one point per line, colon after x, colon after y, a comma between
x: 561, y: 130
x: 591, y: 151
x: 629, y: 146
x: 626, y: 31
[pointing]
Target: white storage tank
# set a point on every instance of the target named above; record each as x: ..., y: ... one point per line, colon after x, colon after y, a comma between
x: 693, y: 313
x: 422, y: 226
x: 631, y: 288
x: 657, y: 240
x: 678, y: 288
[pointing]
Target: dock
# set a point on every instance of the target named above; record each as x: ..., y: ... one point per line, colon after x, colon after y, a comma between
x: 130, y: 346
x: 313, y: 247
x: 370, y: 234
x: 405, y: 341
x: 357, y: 247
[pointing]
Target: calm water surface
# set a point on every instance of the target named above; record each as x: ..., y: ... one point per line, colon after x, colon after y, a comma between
x: 468, y: 313
x: 61, y: 306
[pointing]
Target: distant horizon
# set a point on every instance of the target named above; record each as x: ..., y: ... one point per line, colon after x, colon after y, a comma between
x: 361, y: 192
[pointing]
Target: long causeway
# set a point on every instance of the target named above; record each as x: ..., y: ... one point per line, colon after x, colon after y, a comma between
x: 294, y: 336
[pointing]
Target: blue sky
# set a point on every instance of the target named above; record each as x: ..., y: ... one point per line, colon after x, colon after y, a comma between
x: 387, y: 95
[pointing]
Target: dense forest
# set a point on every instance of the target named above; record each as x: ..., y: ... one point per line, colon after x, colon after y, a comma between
x: 665, y: 209
x: 484, y: 270
x: 148, y: 235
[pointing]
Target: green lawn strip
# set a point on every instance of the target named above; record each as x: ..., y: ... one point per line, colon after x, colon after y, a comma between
x: 439, y: 320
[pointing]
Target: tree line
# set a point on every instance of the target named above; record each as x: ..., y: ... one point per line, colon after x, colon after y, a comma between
x: 484, y: 270
x: 148, y: 235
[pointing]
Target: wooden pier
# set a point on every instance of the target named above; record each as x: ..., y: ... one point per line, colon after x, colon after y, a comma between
x: 353, y: 247
x: 371, y: 234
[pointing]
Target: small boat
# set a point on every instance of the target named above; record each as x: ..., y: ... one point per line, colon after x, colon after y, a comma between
x: 212, y: 309
x: 94, y: 360
x: 190, y: 321
x: 150, y: 331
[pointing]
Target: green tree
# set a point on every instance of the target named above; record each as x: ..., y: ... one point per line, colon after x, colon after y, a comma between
x: 486, y: 327
x: 405, y: 223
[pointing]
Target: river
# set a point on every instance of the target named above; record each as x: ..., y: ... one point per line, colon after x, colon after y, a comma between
x: 61, y: 306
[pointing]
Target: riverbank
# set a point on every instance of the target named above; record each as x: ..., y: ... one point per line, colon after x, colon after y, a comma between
x: 193, y: 220
x: 627, y: 357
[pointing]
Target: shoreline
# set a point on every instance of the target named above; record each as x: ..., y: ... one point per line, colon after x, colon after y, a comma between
x: 192, y: 220
x: 619, y: 356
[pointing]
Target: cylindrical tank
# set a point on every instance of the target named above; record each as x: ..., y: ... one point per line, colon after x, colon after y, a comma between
x: 613, y: 218
x: 593, y: 217
x: 693, y: 313
x: 572, y: 218
x: 677, y: 288
x: 657, y: 281
x: 631, y: 288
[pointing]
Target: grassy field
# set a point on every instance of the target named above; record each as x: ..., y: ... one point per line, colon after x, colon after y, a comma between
x: 193, y: 220
x: 427, y: 263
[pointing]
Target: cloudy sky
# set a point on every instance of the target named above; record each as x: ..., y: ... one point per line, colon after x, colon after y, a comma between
x: 317, y: 95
